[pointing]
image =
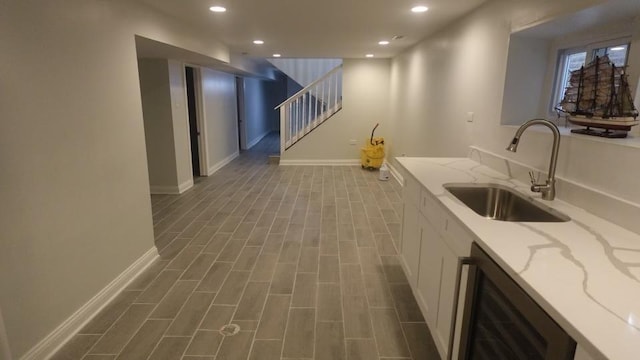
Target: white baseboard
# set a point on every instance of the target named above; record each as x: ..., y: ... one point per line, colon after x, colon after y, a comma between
x: 172, y: 190
x: 328, y: 162
x: 63, y: 333
x: 222, y: 163
x: 186, y: 185
x: 5, y: 351
x: 396, y: 174
x: 257, y: 140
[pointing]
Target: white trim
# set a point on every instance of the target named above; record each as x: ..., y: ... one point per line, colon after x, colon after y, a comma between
x: 203, y: 143
x: 396, y: 174
x: 185, y: 109
x: 5, y: 350
x: 186, y: 185
x: 257, y: 140
x: 159, y: 189
x: 63, y: 333
x: 328, y: 162
x: 203, y: 149
x: 172, y: 189
x: 222, y: 163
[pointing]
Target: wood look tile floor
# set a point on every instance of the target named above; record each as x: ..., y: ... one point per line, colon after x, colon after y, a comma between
x: 302, y: 259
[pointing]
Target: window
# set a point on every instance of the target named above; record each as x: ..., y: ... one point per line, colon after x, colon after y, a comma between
x: 572, y: 59
x: 617, y: 54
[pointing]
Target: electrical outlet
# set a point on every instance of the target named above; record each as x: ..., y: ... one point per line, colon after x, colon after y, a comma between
x: 353, y: 142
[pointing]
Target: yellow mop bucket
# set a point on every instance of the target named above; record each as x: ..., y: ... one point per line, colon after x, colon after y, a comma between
x: 372, y: 155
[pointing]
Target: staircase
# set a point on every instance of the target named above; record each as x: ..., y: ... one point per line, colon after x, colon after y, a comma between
x: 310, y: 107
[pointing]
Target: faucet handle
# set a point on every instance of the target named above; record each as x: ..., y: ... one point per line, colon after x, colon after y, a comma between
x: 534, y: 178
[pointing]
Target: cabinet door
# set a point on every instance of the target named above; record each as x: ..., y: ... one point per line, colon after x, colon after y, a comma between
x: 411, y: 242
x: 430, y: 271
x: 447, y: 294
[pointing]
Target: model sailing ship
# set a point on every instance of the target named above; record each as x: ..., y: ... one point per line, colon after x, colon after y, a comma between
x: 598, y: 96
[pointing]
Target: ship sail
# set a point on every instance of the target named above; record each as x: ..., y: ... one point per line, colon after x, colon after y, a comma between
x: 598, y: 96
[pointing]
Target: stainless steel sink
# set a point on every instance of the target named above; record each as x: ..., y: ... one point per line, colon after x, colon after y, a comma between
x: 498, y: 202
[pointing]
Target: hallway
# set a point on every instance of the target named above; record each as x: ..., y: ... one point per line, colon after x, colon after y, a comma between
x: 301, y: 258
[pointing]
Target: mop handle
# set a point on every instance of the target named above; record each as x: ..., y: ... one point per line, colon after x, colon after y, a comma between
x: 372, y: 131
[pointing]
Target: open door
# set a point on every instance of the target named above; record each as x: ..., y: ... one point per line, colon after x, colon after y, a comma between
x: 242, y: 130
x: 196, y: 128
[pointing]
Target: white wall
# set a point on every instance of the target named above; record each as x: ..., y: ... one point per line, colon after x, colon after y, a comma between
x: 5, y: 352
x: 435, y: 84
x: 461, y: 69
x: 221, y: 121
x: 158, y: 125
x: 365, y: 103
x: 305, y: 71
x: 180, y: 120
x: 75, y: 188
x: 256, y: 110
x: 525, y: 80
x: 629, y: 29
x: 166, y: 125
x: 261, y: 97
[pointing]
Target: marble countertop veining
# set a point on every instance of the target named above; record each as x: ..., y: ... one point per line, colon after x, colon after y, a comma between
x: 585, y: 273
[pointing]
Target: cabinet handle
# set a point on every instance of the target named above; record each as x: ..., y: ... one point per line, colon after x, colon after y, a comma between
x: 462, y: 261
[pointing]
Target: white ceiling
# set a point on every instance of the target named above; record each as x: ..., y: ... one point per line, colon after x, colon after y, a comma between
x: 609, y: 12
x: 326, y: 28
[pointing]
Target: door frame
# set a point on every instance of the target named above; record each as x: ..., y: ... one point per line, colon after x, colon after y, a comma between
x: 241, y: 113
x: 203, y: 144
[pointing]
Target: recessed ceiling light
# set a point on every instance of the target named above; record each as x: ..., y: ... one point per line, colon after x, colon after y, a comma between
x: 276, y: 55
x: 383, y: 42
x: 218, y: 9
x: 258, y: 42
x: 419, y: 9
x: 369, y: 55
x: 618, y: 48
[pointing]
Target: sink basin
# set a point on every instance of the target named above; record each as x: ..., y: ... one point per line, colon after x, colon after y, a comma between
x: 498, y: 202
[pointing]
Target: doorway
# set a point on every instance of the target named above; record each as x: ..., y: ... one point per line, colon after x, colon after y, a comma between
x: 192, y: 109
x: 242, y: 130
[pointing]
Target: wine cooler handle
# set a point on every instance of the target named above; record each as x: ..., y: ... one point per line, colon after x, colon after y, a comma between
x: 462, y: 261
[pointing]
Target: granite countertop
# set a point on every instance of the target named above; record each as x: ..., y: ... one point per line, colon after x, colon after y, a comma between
x: 584, y: 273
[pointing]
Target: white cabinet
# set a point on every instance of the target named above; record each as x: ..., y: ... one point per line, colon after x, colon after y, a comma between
x: 436, y: 284
x: 411, y: 242
x: 445, y: 301
x: 431, y: 244
x: 430, y: 272
x: 410, y: 246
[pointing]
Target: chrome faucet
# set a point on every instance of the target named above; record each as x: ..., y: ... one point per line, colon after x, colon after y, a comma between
x: 548, y: 189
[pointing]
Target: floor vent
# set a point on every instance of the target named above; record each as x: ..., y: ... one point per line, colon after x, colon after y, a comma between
x: 230, y: 330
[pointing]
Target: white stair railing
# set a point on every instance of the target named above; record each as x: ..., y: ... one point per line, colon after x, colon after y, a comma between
x: 310, y: 107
